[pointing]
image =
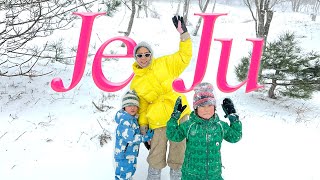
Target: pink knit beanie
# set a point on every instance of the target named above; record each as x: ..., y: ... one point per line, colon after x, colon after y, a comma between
x: 203, y: 95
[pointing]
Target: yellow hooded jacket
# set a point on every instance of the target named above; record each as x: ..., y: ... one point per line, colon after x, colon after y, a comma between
x: 153, y: 85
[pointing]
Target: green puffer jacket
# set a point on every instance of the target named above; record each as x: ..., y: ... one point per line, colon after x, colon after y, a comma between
x: 202, y: 159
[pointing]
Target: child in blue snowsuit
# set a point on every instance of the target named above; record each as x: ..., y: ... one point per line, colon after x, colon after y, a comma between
x: 128, y: 137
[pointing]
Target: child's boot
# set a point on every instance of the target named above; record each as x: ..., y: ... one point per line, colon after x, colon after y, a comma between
x: 154, y: 174
x: 175, y: 174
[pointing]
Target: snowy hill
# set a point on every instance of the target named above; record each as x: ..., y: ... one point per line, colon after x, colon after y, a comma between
x: 49, y: 135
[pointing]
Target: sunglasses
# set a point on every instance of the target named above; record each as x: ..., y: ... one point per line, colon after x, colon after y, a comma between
x: 145, y: 55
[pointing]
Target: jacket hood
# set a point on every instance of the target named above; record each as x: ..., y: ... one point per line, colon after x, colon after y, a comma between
x: 142, y: 44
x: 145, y: 45
x: 122, y: 115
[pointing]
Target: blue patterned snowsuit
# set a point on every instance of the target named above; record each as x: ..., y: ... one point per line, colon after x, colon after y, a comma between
x: 128, y: 139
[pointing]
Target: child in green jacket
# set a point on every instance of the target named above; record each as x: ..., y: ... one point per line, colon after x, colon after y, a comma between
x: 204, y: 132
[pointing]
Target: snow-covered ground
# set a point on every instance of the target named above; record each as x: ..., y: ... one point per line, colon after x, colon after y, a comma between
x: 49, y: 135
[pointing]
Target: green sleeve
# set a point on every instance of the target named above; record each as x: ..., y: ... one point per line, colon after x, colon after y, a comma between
x: 232, y: 133
x: 175, y: 132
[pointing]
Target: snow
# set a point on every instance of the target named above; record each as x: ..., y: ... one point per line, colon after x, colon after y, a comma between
x: 50, y: 135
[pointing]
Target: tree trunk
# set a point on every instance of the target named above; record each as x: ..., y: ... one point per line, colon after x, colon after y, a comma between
x: 133, y: 12
x: 139, y: 8
x: 313, y: 17
x: 178, y: 8
x: 261, y: 17
x: 315, y: 10
x: 142, y: 4
x: 203, y: 9
x: 267, y: 24
x: 186, y: 11
x: 264, y: 15
x: 146, y: 5
x: 295, y: 5
x: 214, y: 6
x: 272, y: 89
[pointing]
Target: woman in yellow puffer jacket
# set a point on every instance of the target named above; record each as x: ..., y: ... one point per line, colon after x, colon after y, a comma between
x: 153, y: 84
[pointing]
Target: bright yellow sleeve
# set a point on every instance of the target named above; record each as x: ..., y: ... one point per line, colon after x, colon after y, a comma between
x: 177, y: 62
x: 142, y: 120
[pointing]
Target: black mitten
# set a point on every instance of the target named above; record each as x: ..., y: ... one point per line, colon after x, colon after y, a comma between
x: 178, y: 109
x: 146, y: 144
x: 181, y: 28
x: 183, y: 25
x: 228, y: 107
x: 175, y: 21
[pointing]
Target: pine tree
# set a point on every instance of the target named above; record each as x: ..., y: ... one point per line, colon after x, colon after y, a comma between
x: 286, y: 68
x: 111, y: 6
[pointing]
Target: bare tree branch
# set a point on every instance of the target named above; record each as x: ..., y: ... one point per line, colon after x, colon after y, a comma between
x: 27, y: 20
